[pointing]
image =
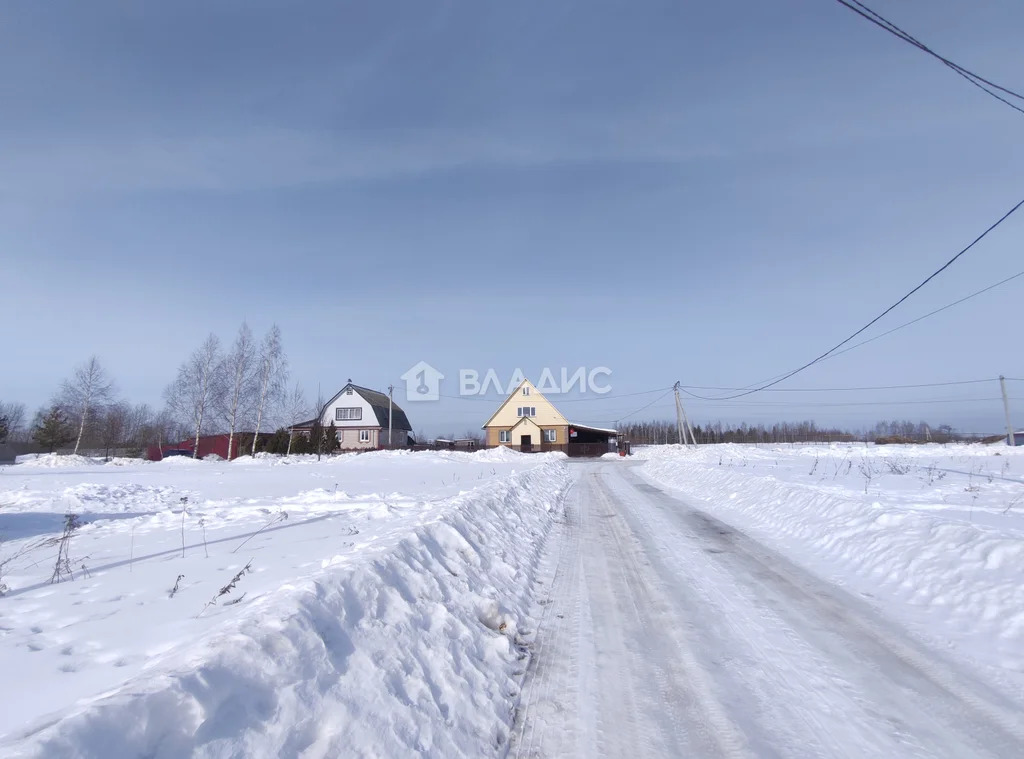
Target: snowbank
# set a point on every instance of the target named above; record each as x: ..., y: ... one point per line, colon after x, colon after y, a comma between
x: 933, y: 534
x: 58, y: 461
x: 402, y: 640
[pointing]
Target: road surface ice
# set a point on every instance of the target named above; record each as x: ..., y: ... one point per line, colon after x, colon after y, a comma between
x: 667, y: 633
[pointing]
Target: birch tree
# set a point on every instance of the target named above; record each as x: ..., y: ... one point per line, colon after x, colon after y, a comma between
x: 193, y: 393
x: 272, y: 371
x: 237, y: 372
x: 86, y: 392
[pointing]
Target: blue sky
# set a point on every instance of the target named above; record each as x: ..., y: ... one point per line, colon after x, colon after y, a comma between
x: 712, y: 193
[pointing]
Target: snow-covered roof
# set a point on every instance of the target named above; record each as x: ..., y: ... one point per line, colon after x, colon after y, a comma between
x: 593, y: 429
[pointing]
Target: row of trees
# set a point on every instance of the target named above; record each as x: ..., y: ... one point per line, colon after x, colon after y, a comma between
x: 86, y: 412
x: 239, y: 389
x: 97, y: 424
x: 664, y: 431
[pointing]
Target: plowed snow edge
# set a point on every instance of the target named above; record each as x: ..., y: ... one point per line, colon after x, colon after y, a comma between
x: 412, y: 649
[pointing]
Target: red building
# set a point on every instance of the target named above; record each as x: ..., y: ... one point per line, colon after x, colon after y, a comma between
x: 216, y: 444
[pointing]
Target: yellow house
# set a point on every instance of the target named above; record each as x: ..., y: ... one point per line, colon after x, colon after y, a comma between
x: 527, y: 421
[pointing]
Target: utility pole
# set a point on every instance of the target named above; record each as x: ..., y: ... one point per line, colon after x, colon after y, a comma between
x: 679, y: 415
x: 391, y: 390
x: 1006, y: 408
x: 319, y: 423
x: 689, y: 427
x: 682, y: 423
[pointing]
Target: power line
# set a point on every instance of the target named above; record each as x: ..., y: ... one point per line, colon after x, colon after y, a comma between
x: 839, y: 404
x: 611, y: 397
x: 632, y: 413
x: 502, y: 398
x: 879, y: 20
x: 976, y: 79
x: 871, y: 339
x: 841, y: 389
x: 931, y: 313
x: 836, y: 347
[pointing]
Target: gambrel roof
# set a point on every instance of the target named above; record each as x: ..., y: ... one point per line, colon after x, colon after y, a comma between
x: 378, y: 402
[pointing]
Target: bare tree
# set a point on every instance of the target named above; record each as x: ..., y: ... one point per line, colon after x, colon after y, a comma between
x: 114, y: 426
x: 193, y: 393
x: 237, y: 372
x: 318, y: 432
x: 14, y: 416
x: 138, y: 421
x: 85, y: 394
x: 476, y: 436
x: 295, y: 410
x: 272, y: 371
x: 162, y: 428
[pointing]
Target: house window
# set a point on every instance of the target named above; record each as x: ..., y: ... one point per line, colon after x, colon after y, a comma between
x: 364, y: 436
x: 347, y: 414
x: 504, y: 436
x: 526, y: 391
x: 550, y: 436
x: 526, y: 411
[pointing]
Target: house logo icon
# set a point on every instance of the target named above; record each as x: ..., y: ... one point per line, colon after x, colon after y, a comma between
x: 422, y: 383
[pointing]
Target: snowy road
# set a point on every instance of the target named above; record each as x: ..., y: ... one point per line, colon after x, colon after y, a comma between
x: 669, y: 634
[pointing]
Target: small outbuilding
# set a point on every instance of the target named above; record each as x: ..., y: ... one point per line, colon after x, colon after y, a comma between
x: 216, y: 445
x: 459, y: 444
x: 7, y: 454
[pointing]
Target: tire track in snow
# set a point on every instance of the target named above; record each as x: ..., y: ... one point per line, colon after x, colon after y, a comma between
x: 535, y: 695
x: 893, y: 684
x: 672, y: 634
x: 677, y: 672
x: 590, y: 693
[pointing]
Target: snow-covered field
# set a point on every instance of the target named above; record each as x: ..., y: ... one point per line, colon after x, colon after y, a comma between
x: 382, y: 612
x: 932, y: 535
x: 391, y: 600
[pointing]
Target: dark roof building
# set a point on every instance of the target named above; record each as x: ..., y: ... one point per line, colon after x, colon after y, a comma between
x: 7, y: 454
x: 361, y: 417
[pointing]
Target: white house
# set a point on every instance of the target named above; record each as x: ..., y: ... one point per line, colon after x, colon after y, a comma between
x: 360, y: 416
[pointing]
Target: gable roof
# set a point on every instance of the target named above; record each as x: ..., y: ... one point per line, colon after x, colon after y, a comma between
x: 379, y: 403
x: 534, y: 392
x: 528, y: 420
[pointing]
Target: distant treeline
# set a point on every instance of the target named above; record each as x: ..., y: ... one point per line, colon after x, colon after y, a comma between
x: 664, y: 431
